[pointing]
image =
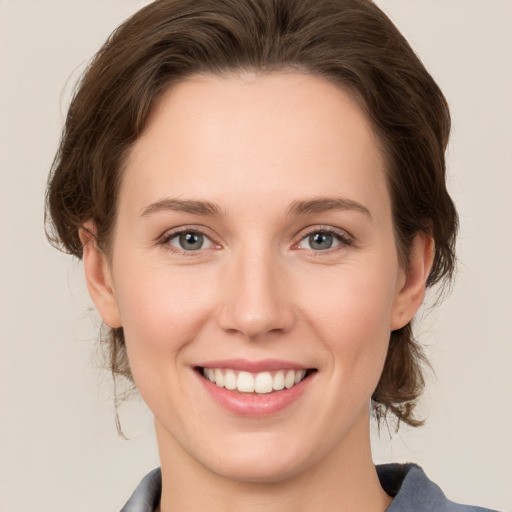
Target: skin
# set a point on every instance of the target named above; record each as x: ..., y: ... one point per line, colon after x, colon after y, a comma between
x: 255, y: 146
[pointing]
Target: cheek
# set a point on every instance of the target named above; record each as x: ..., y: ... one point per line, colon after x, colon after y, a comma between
x: 350, y: 311
x: 162, y: 311
x: 351, y: 299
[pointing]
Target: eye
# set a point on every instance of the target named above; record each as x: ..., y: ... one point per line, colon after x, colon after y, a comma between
x: 189, y: 241
x: 323, y: 240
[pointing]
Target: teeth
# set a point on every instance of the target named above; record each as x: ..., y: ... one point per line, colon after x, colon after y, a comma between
x: 261, y: 383
x: 289, y: 380
x: 219, y: 378
x: 245, y: 382
x: 278, y: 383
x: 229, y: 380
x: 298, y: 375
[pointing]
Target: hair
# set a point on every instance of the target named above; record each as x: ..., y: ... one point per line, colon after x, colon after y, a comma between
x: 350, y: 43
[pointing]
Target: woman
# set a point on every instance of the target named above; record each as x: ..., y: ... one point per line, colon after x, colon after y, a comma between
x: 257, y: 189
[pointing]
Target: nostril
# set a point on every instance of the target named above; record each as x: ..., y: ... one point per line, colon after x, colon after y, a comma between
x: 254, y: 303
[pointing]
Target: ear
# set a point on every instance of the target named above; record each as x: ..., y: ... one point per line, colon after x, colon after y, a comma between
x: 98, y: 277
x: 412, y: 287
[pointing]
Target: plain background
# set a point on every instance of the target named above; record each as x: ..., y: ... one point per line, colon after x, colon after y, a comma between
x: 59, y: 449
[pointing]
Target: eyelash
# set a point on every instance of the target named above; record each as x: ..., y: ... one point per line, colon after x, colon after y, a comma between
x: 343, y: 239
x: 165, y: 240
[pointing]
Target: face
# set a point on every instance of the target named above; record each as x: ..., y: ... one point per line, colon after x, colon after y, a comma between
x: 255, y: 274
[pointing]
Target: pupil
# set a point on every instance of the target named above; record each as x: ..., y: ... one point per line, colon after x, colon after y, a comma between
x: 320, y: 241
x: 191, y: 241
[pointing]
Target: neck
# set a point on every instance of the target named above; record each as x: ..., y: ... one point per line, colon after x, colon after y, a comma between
x: 344, y: 480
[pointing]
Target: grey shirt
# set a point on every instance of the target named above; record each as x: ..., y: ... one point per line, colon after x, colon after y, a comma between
x: 410, y: 488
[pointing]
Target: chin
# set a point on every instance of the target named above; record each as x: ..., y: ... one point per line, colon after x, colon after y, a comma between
x: 259, y: 471
x: 264, y: 459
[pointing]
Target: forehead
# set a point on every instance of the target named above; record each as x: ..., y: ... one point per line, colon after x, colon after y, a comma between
x: 283, y: 135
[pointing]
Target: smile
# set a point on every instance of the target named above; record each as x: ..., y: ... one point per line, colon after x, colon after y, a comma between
x: 259, y: 383
x: 255, y: 389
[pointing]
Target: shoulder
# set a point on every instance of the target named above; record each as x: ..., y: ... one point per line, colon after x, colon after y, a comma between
x: 407, y: 483
x: 412, y: 490
x: 146, y: 496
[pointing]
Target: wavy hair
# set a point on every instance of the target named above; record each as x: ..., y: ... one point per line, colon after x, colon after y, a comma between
x: 351, y: 43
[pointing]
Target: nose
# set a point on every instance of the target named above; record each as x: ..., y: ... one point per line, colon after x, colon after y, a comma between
x: 256, y: 296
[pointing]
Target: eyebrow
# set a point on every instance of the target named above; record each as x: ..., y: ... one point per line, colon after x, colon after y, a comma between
x: 325, y: 204
x: 180, y: 205
x: 304, y: 207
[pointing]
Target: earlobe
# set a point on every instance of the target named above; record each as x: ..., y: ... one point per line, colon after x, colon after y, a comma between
x: 410, y: 296
x: 98, y: 277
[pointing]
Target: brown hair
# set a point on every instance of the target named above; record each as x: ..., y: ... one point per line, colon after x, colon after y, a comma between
x: 349, y: 42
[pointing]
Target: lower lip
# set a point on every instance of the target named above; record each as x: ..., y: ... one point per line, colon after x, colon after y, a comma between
x: 252, y: 405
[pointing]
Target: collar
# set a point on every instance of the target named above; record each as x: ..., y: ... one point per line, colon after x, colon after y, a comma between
x: 406, y: 483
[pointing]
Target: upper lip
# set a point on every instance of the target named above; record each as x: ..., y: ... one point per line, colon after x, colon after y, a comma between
x: 253, y: 366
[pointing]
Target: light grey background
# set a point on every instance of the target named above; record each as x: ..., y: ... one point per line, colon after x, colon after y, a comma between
x: 58, y: 444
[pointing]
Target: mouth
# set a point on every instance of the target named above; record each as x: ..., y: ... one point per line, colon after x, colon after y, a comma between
x: 255, y: 383
x: 255, y: 389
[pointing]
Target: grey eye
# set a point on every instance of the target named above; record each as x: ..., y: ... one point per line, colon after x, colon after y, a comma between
x: 190, y: 241
x: 321, y: 241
